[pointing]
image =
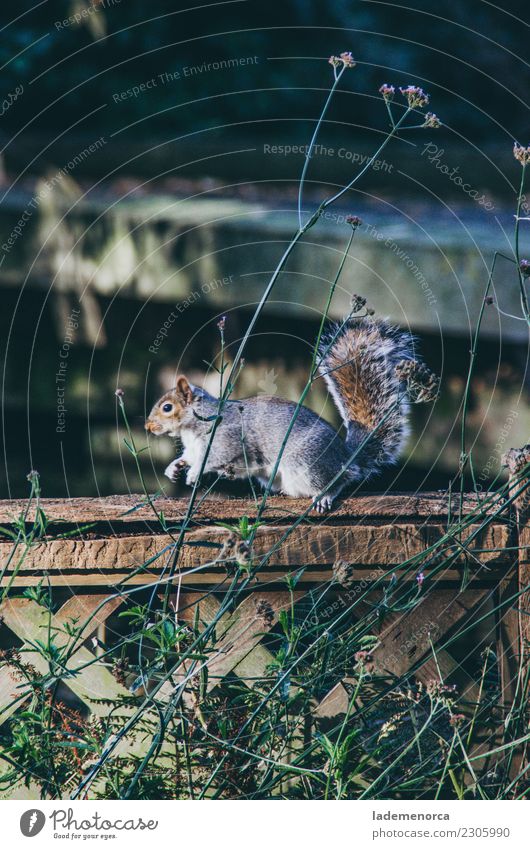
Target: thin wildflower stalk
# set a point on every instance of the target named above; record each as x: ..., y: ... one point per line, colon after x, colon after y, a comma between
x: 464, y: 458
x: 313, y: 140
x: 311, y: 378
x: 522, y: 291
x: 395, y: 129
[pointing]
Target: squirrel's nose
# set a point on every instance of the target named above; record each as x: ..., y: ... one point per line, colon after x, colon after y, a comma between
x: 148, y: 425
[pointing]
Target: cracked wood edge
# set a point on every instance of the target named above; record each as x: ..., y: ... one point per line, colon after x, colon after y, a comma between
x: 381, y: 547
x: 124, y: 509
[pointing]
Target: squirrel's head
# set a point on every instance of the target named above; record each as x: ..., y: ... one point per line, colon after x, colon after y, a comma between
x: 168, y: 413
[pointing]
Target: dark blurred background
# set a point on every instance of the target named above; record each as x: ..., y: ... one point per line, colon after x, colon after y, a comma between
x: 150, y: 158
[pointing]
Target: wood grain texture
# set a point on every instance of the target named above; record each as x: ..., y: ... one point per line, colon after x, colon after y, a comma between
x: 376, y: 548
x: 123, y: 509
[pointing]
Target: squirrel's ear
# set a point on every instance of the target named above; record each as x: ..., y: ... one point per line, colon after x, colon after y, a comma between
x: 184, y: 389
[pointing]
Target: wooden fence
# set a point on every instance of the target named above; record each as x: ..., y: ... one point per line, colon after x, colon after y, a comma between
x: 374, y: 533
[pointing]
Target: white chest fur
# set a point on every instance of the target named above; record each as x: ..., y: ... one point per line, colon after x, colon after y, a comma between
x: 193, y: 447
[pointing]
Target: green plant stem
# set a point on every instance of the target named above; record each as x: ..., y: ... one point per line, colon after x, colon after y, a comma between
x: 467, y: 389
x: 312, y: 143
x: 522, y: 291
x: 395, y: 129
x: 309, y: 382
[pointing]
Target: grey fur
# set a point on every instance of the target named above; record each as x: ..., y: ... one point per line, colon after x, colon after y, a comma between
x: 251, y: 432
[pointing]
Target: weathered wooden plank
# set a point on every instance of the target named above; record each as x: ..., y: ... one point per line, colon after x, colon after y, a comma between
x: 407, y: 637
x: 514, y: 592
x: 405, y: 640
x: 19, y: 791
x: 335, y: 702
x: 11, y: 690
x: 509, y: 639
x: 513, y: 644
x: 254, y: 665
x: 519, y: 466
x: 267, y: 577
x: 132, y: 508
x: 383, y: 545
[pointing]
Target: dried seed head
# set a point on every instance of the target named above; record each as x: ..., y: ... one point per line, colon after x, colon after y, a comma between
x: 416, y: 97
x: 489, y: 300
x: 345, y: 60
x: 524, y: 267
x: 348, y: 60
x: 242, y: 554
x: 521, y: 153
x: 222, y: 323
x: 228, y: 550
x: 432, y: 121
x: 9, y: 655
x: 357, y: 303
x: 120, y: 668
x: 516, y: 459
x: 119, y: 393
x: 354, y: 221
x: 422, y: 384
x: 362, y: 656
x: 264, y: 611
x: 437, y: 689
x: 343, y: 573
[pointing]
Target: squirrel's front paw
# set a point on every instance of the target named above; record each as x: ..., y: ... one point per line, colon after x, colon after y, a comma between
x: 323, y: 504
x: 191, y: 477
x: 174, y: 469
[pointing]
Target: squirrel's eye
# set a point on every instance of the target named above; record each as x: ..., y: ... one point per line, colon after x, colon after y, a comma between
x: 167, y: 408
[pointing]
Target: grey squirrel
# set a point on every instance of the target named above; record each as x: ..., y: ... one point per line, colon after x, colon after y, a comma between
x: 371, y: 372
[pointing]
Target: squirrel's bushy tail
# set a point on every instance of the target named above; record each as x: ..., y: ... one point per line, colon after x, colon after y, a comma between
x: 358, y: 363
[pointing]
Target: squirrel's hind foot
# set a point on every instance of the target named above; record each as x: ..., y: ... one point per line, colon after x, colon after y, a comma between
x: 323, y: 504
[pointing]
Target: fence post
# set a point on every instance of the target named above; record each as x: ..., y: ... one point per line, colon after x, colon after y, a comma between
x: 515, y: 642
x: 518, y: 463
